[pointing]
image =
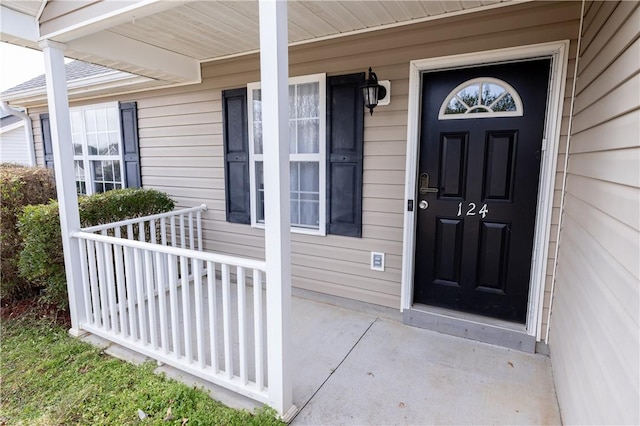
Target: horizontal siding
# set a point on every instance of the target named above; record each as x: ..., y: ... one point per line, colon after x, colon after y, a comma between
x: 181, y: 139
x: 13, y: 147
x: 594, y: 338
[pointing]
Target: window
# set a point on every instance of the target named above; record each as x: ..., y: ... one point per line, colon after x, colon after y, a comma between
x: 307, y: 147
x: 481, y: 98
x: 97, y: 147
x: 326, y: 161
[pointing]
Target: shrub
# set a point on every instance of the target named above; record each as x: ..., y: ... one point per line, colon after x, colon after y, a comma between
x: 19, y: 187
x: 41, y: 260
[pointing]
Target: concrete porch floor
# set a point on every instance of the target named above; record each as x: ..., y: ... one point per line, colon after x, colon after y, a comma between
x: 366, y: 368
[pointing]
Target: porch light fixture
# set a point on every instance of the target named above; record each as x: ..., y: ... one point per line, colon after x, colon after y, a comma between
x: 372, y: 91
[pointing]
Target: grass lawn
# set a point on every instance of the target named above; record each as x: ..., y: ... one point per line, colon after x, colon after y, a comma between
x: 50, y: 378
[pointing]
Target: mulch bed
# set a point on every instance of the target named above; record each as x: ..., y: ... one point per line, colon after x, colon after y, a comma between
x: 11, y: 309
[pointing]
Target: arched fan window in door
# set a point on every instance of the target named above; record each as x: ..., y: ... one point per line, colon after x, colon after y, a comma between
x: 483, y: 97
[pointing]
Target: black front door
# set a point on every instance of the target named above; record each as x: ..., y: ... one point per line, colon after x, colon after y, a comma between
x: 477, y: 187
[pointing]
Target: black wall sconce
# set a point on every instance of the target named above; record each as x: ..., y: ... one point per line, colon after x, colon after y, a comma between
x: 372, y: 91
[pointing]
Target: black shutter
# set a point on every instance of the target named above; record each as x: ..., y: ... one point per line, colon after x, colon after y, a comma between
x: 236, y: 155
x: 129, y: 133
x: 46, y: 140
x: 345, y: 133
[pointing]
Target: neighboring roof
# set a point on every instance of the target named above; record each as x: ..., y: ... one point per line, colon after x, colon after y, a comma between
x: 75, y: 71
x: 84, y: 80
x: 8, y: 119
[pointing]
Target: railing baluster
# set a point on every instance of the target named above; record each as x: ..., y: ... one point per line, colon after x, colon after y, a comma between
x: 173, y: 231
x: 163, y: 231
x: 162, y: 301
x: 111, y: 285
x: 226, y: 323
x: 139, y: 283
x: 192, y: 245
x: 131, y: 291
x: 258, y: 325
x: 152, y: 231
x: 186, y: 308
x: 213, y: 314
x: 86, y: 289
x: 173, y: 300
x: 120, y: 286
x: 197, y: 284
x: 183, y: 243
x: 199, y: 225
x: 102, y: 286
x: 242, y: 324
x: 151, y: 300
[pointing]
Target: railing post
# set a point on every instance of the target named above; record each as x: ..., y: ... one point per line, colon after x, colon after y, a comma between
x: 65, y: 176
x: 274, y: 64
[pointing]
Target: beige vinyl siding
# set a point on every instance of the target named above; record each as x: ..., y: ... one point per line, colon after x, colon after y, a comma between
x: 181, y: 139
x: 594, y: 337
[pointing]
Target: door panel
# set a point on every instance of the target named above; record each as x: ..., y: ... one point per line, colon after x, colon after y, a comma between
x: 479, y: 177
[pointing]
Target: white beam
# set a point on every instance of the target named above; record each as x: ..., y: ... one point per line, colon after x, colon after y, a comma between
x: 274, y: 74
x: 98, y: 16
x: 65, y: 176
x: 17, y: 25
x: 148, y: 60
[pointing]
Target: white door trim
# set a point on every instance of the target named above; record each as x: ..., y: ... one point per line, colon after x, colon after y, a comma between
x: 558, y: 51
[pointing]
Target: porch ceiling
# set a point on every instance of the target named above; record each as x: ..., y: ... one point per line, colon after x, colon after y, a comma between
x: 167, y: 41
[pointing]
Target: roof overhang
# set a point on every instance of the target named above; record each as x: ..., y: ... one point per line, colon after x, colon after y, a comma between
x: 167, y: 41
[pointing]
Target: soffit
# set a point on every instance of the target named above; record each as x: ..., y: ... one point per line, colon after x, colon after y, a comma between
x: 207, y: 30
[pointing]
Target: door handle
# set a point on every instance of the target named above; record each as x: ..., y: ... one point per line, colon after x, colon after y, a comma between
x: 424, y: 184
x: 423, y: 205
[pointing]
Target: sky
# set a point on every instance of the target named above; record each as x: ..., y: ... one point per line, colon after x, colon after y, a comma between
x: 18, y: 64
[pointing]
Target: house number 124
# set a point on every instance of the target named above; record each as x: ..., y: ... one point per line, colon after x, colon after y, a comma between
x: 471, y: 210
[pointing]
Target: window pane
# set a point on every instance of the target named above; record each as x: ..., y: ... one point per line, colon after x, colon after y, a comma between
x: 92, y: 143
x: 114, y: 145
x: 101, y: 119
x: 259, y: 192
x: 506, y: 103
x: 90, y: 121
x: 257, y: 137
x: 292, y: 102
x: 491, y: 92
x: 78, y: 166
x: 305, y: 194
x: 103, y: 144
x: 76, y: 121
x: 113, y: 121
x: 308, y: 136
x: 77, y: 144
x: 292, y: 137
x: 470, y: 94
x: 308, y: 100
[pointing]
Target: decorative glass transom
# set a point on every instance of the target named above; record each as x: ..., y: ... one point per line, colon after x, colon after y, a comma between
x: 482, y: 97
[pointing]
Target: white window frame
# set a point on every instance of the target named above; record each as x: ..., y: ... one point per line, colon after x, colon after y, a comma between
x: 319, y: 157
x: 86, y: 158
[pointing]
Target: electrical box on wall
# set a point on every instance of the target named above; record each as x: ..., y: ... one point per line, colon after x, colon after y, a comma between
x: 377, y: 261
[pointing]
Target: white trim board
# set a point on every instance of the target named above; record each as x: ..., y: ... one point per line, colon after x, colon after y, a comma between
x: 558, y: 52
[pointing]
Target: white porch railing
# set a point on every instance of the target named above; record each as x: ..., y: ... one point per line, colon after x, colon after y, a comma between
x: 157, y: 293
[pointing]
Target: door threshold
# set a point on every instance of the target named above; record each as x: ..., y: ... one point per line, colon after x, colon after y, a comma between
x: 470, y: 326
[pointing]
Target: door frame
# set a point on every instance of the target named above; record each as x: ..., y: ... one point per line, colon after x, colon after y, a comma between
x: 558, y: 52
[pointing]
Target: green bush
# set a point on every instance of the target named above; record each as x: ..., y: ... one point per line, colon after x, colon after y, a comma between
x: 41, y: 260
x: 19, y: 187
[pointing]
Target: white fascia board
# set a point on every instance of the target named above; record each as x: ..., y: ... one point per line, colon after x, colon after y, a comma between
x: 143, y: 56
x: 17, y: 25
x: 100, y: 16
x: 86, y: 85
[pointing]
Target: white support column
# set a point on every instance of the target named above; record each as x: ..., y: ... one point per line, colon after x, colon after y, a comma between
x: 274, y: 75
x: 65, y: 177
